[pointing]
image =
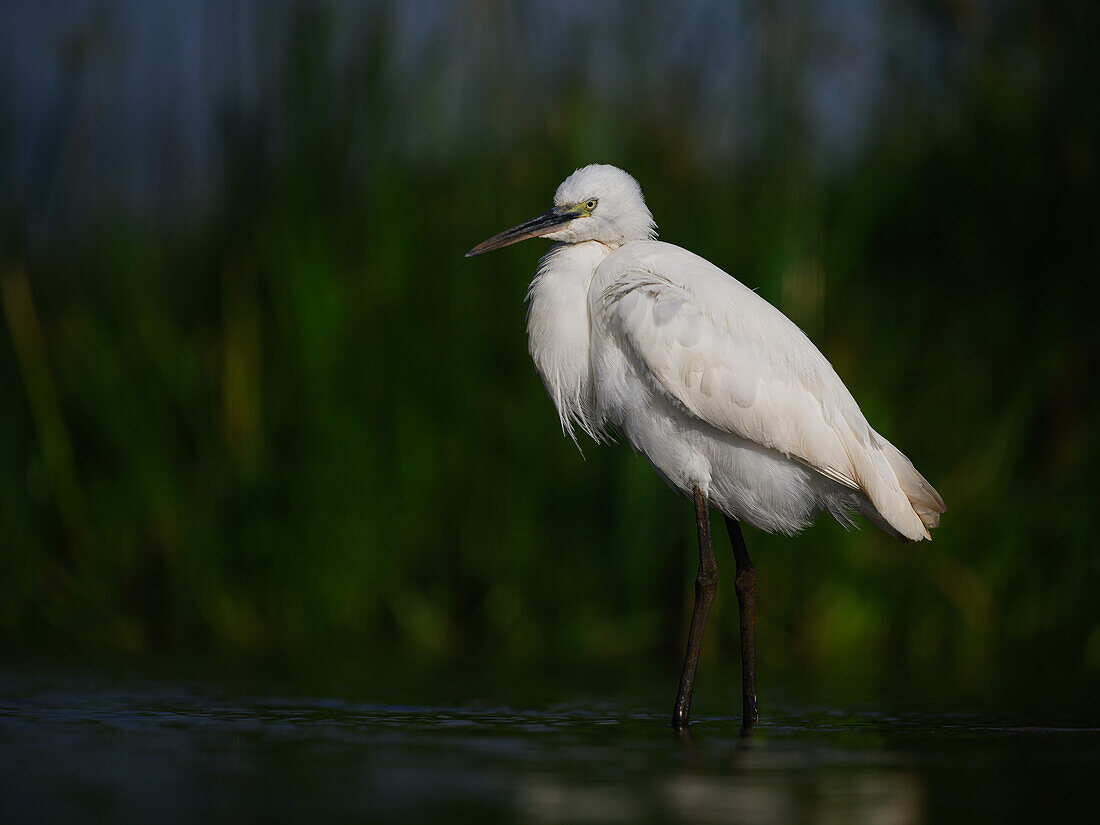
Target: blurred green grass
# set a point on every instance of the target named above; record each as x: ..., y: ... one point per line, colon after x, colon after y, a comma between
x: 308, y: 424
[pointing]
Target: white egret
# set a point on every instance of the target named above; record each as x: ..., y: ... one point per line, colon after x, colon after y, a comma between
x: 725, y: 397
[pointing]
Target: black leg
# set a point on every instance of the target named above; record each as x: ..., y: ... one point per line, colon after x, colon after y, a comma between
x: 705, y: 585
x: 746, y: 603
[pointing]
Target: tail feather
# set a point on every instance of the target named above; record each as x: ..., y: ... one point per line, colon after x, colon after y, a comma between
x: 899, y: 494
x: 927, y: 503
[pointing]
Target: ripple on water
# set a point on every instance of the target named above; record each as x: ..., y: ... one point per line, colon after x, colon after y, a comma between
x: 71, y: 746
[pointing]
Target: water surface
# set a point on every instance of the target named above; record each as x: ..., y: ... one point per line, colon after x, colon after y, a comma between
x: 89, y: 747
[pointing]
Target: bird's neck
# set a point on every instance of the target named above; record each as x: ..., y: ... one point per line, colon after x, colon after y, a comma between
x: 558, y: 330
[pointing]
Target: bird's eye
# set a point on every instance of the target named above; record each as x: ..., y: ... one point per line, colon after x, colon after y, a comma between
x: 590, y: 205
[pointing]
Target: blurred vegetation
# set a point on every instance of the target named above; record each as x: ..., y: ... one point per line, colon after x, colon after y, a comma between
x: 304, y: 422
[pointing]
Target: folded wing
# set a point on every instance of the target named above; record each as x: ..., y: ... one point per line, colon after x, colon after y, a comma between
x: 727, y: 357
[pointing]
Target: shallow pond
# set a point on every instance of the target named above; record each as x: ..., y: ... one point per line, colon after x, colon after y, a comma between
x: 92, y: 747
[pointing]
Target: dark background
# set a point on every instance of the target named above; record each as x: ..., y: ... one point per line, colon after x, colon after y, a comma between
x: 254, y: 402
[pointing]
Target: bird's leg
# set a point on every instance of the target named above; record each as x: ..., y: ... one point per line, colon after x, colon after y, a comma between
x: 745, y: 583
x: 705, y: 584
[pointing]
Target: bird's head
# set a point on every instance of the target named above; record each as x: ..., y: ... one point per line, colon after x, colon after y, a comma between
x: 596, y: 203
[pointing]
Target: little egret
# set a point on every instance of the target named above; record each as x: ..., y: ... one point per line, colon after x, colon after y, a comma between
x: 724, y: 396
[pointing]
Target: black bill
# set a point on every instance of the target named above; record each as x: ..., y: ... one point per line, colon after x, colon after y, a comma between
x: 542, y: 225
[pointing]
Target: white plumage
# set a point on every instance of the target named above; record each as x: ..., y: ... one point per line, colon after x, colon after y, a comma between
x: 714, y: 386
x: 725, y: 397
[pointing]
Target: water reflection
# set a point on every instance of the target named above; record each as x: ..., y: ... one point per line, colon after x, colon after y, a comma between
x: 844, y: 796
x: 72, y: 746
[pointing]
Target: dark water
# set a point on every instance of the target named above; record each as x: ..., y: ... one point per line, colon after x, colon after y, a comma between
x: 81, y: 747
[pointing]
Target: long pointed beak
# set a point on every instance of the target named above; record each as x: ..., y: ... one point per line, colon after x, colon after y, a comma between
x: 544, y: 224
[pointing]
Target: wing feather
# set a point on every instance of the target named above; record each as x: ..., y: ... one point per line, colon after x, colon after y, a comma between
x: 733, y: 382
x: 723, y: 354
